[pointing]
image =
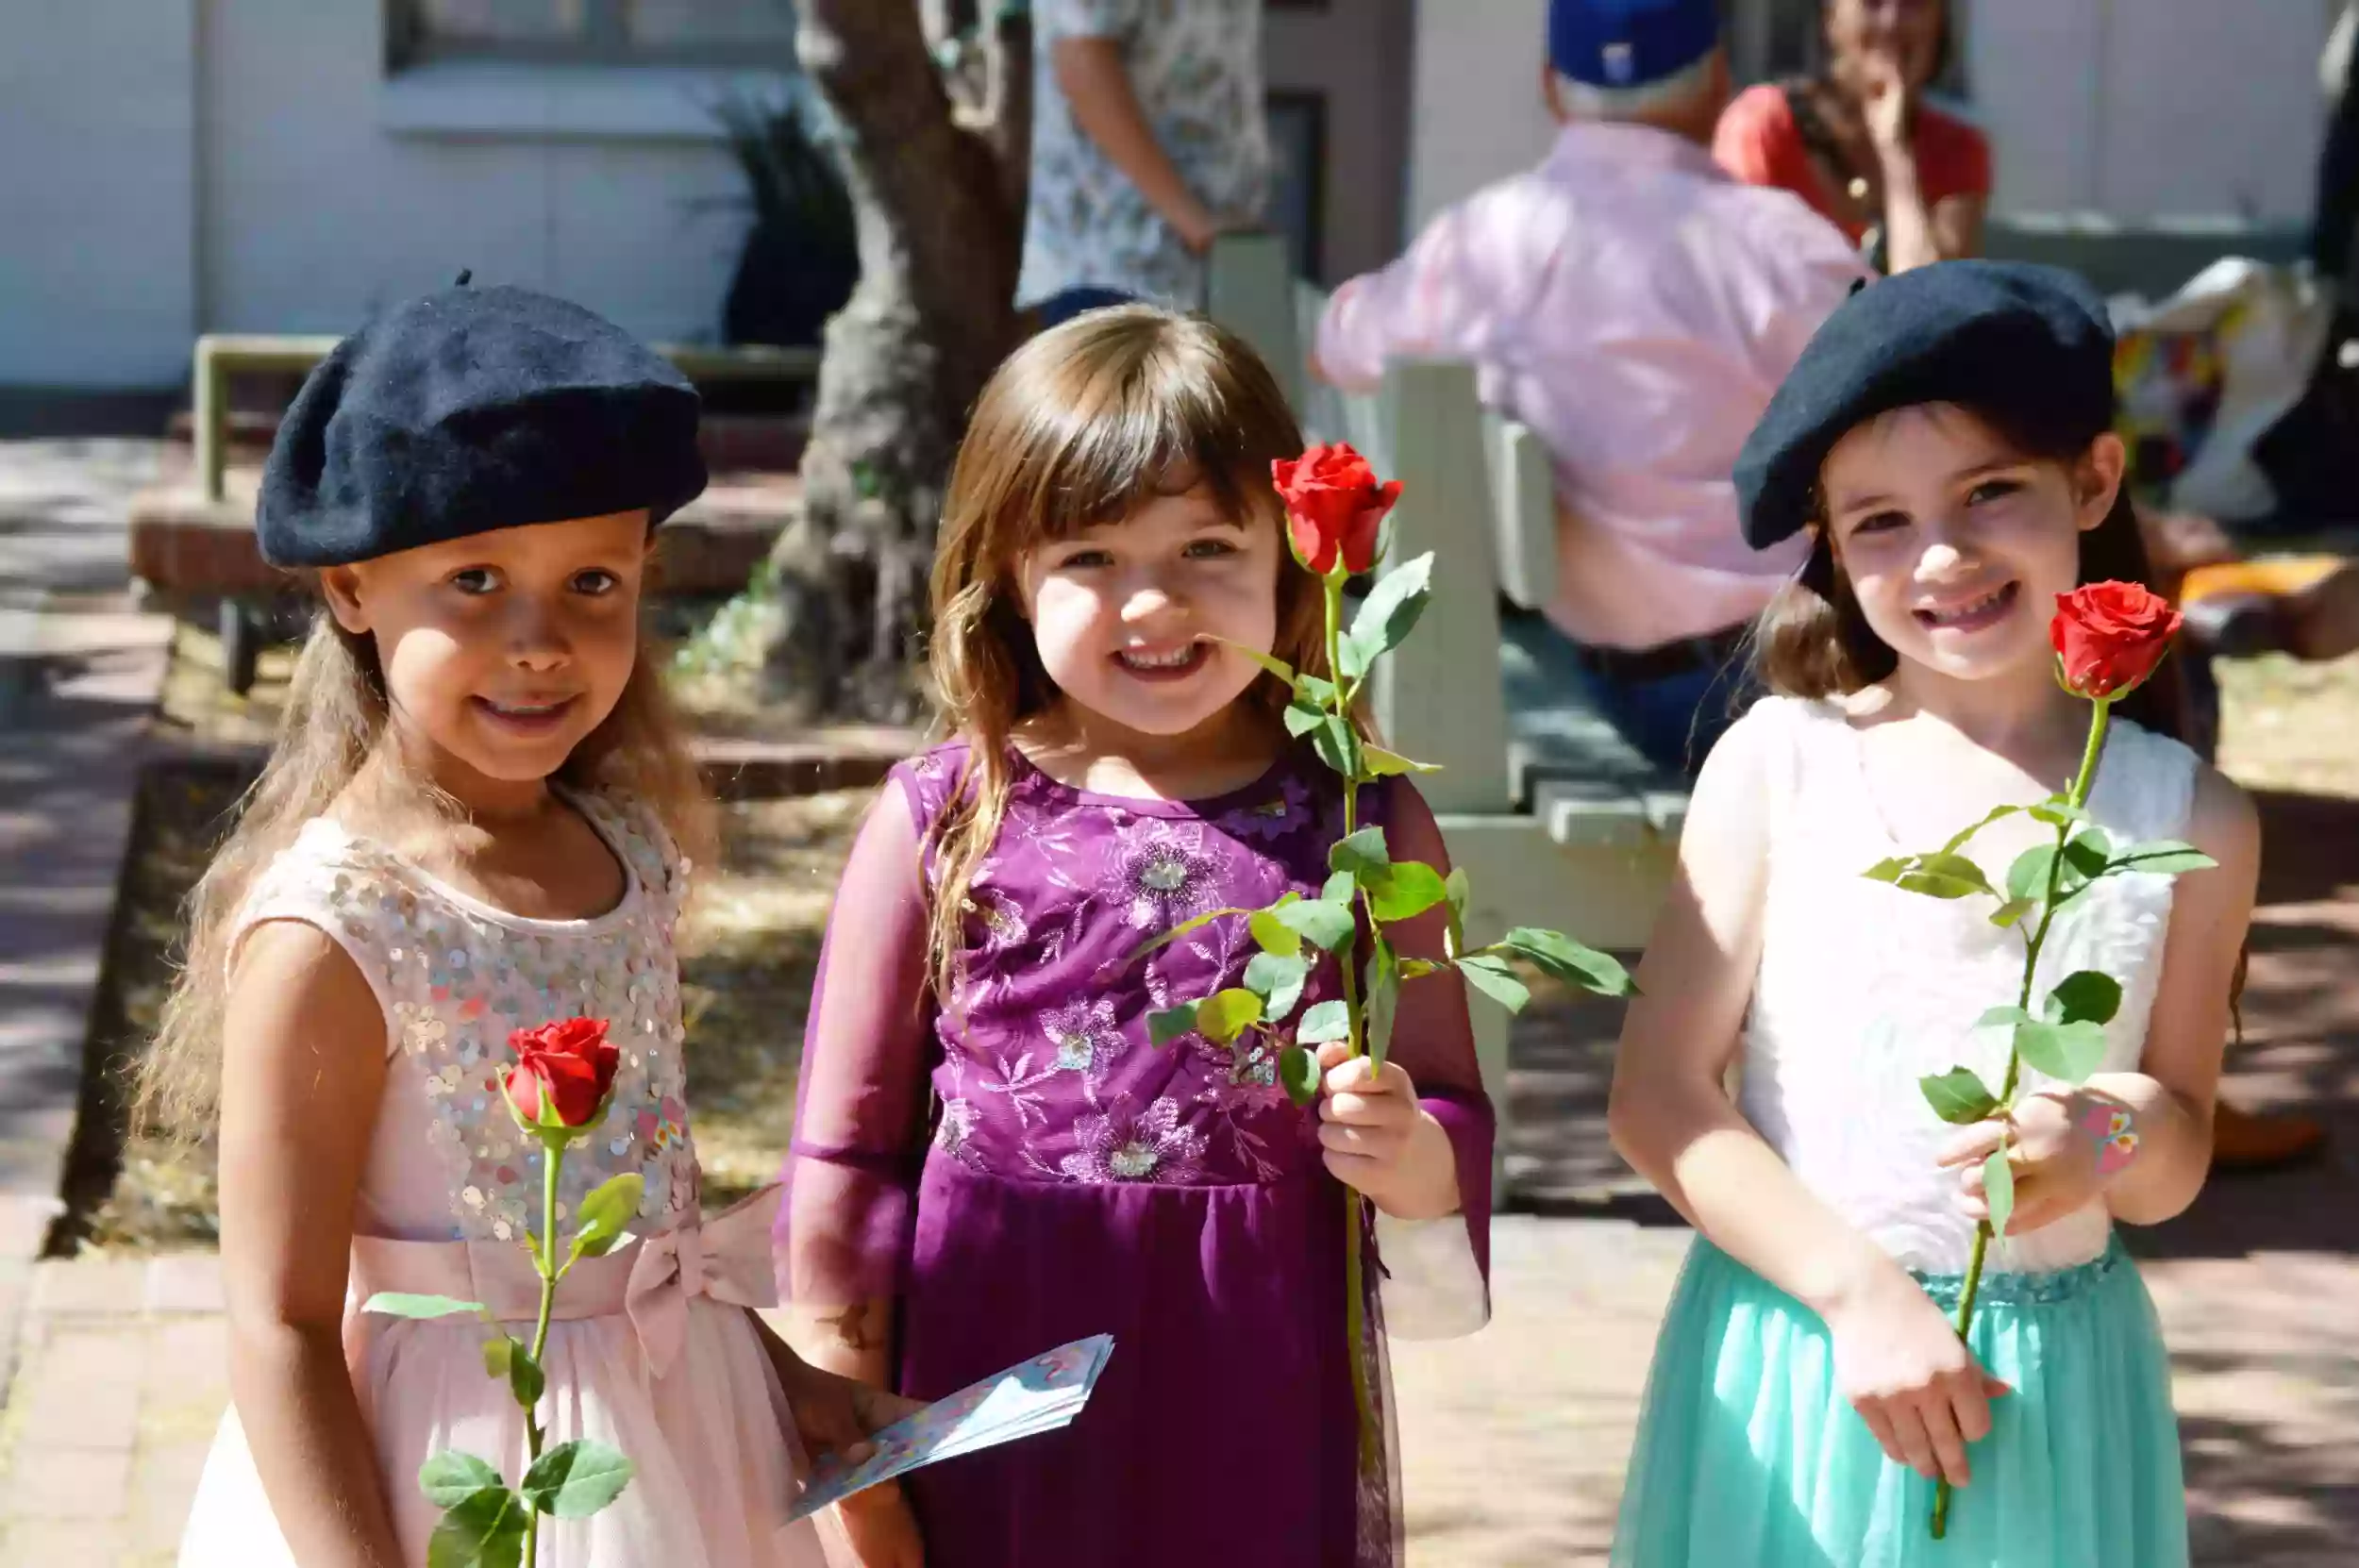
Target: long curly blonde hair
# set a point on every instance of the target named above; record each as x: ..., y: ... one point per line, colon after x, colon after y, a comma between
x: 333, y: 729
x: 1083, y: 424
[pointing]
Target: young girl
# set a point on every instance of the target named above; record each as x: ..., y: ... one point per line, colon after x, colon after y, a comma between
x: 1110, y: 559
x: 472, y: 824
x: 1946, y: 438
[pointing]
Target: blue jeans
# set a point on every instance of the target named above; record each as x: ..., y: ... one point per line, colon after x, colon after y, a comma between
x: 1057, y: 309
x: 1672, y: 721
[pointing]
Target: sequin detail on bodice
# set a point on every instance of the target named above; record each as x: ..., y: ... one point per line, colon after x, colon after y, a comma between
x: 456, y: 976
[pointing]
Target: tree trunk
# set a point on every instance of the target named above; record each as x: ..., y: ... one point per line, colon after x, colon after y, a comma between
x: 933, y: 314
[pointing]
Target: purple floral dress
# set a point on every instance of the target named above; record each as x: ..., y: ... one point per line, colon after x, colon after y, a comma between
x: 1066, y: 1178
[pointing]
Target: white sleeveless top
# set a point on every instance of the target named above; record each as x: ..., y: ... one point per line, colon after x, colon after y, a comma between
x: 455, y: 975
x: 1863, y: 989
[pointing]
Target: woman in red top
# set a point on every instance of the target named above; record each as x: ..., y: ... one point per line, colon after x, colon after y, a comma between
x: 1905, y: 181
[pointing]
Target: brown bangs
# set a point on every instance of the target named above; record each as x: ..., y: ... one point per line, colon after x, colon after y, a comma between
x: 1141, y: 419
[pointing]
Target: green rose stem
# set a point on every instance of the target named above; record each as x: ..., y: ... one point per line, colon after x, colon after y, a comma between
x: 545, y: 1261
x: 1355, y: 1218
x: 2076, y: 797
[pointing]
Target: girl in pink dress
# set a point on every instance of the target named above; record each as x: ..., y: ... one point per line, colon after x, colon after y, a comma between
x: 472, y: 823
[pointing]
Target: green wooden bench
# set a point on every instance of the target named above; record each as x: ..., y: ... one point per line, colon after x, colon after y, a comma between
x: 193, y: 545
x: 1558, y: 822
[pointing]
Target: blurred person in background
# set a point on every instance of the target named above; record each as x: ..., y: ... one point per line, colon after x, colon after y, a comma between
x: 1905, y: 182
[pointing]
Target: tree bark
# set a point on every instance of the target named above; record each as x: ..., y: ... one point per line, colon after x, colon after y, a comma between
x: 939, y: 243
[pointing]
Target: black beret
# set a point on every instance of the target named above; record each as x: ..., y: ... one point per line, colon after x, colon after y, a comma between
x: 2034, y: 342
x: 470, y: 410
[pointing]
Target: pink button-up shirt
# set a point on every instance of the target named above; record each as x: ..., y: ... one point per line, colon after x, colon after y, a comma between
x: 1636, y: 307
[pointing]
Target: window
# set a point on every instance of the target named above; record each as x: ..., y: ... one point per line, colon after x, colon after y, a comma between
x: 611, y: 32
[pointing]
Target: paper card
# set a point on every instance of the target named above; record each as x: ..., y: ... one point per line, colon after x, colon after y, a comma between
x: 1036, y: 1396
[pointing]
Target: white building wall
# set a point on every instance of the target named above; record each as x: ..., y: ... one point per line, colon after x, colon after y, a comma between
x: 97, y: 216
x: 2136, y: 108
x: 328, y: 190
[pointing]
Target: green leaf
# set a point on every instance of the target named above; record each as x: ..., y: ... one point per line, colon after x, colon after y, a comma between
x: 2163, y: 857
x: 1313, y: 689
x: 450, y: 1478
x: 1142, y: 949
x: 1385, y: 764
x: 1458, y: 887
x: 401, y: 1304
x: 2085, y: 996
x: 2028, y: 877
x: 1277, y: 979
x: 1320, y: 923
x: 1937, y: 876
x: 1169, y: 1025
x: 2002, y: 1018
x: 1324, y: 1022
x: 1562, y: 959
x: 485, y: 1531
x: 1998, y: 1187
x: 1959, y: 841
x: 2086, y: 857
x: 1413, y: 888
x: 496, y: 1350
x: 575, y: 1480
x: 1959, y: 1097
x: 2056, y: 811
x: 1363, y: 855
x: 525, y: 1379
x: 1302, y: 717
x: 1383, y: 998
x: 1273, y: 935
x: 1298, y: 1070
x: 1221, y: 1017
x: 2066, y: 1052
x: 1271, y: 663
x: 1337, y: 745
x: 1390, y: 611
x: 1351, y: 657
x: 1491, y: 974
x: 2011, y: 914
x: 1340, y: 890
x: 605, y: 1212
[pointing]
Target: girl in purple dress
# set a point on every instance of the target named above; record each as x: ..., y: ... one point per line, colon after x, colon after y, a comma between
x: 990, y: 1159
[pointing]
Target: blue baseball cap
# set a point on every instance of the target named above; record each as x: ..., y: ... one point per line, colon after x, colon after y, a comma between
x: 1614, y: 43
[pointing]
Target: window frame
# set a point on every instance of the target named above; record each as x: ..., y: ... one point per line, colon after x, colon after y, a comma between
x: 604, y: 40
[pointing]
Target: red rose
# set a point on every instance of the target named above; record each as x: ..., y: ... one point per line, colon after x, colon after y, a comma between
x: 572, y: 1056
x: 1333, y: 507
x: 2109, y: 636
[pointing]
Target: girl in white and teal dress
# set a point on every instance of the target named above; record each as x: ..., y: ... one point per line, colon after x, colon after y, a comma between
x: 1946, y: 440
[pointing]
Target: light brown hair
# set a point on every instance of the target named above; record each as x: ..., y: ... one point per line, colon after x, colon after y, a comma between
x: 333, y: 729
x: 1083, y: 424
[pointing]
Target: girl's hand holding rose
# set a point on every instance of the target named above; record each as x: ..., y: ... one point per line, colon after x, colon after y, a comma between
x: 2068, y: 1147
x: 1901, y: 1363
x: 1380, y: 1141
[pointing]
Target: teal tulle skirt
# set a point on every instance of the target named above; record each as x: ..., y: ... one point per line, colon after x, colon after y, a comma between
x: 1747, y: 1457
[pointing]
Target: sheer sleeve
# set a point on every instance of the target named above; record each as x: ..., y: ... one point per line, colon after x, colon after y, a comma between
x: 1434, y: 1042
x: 844, y: 1225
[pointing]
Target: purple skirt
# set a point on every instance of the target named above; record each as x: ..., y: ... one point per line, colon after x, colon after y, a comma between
x: 1222, y: 1430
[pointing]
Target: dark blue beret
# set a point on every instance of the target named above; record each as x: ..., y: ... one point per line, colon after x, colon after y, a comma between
x: 2030, y: 341
x: 470, y: 410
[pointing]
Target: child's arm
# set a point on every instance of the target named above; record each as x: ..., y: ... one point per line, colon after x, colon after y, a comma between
x: 303, y: 1067
x: 850, y: 1176
x: 2170, y: 1099
x: 1897, y: 1360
